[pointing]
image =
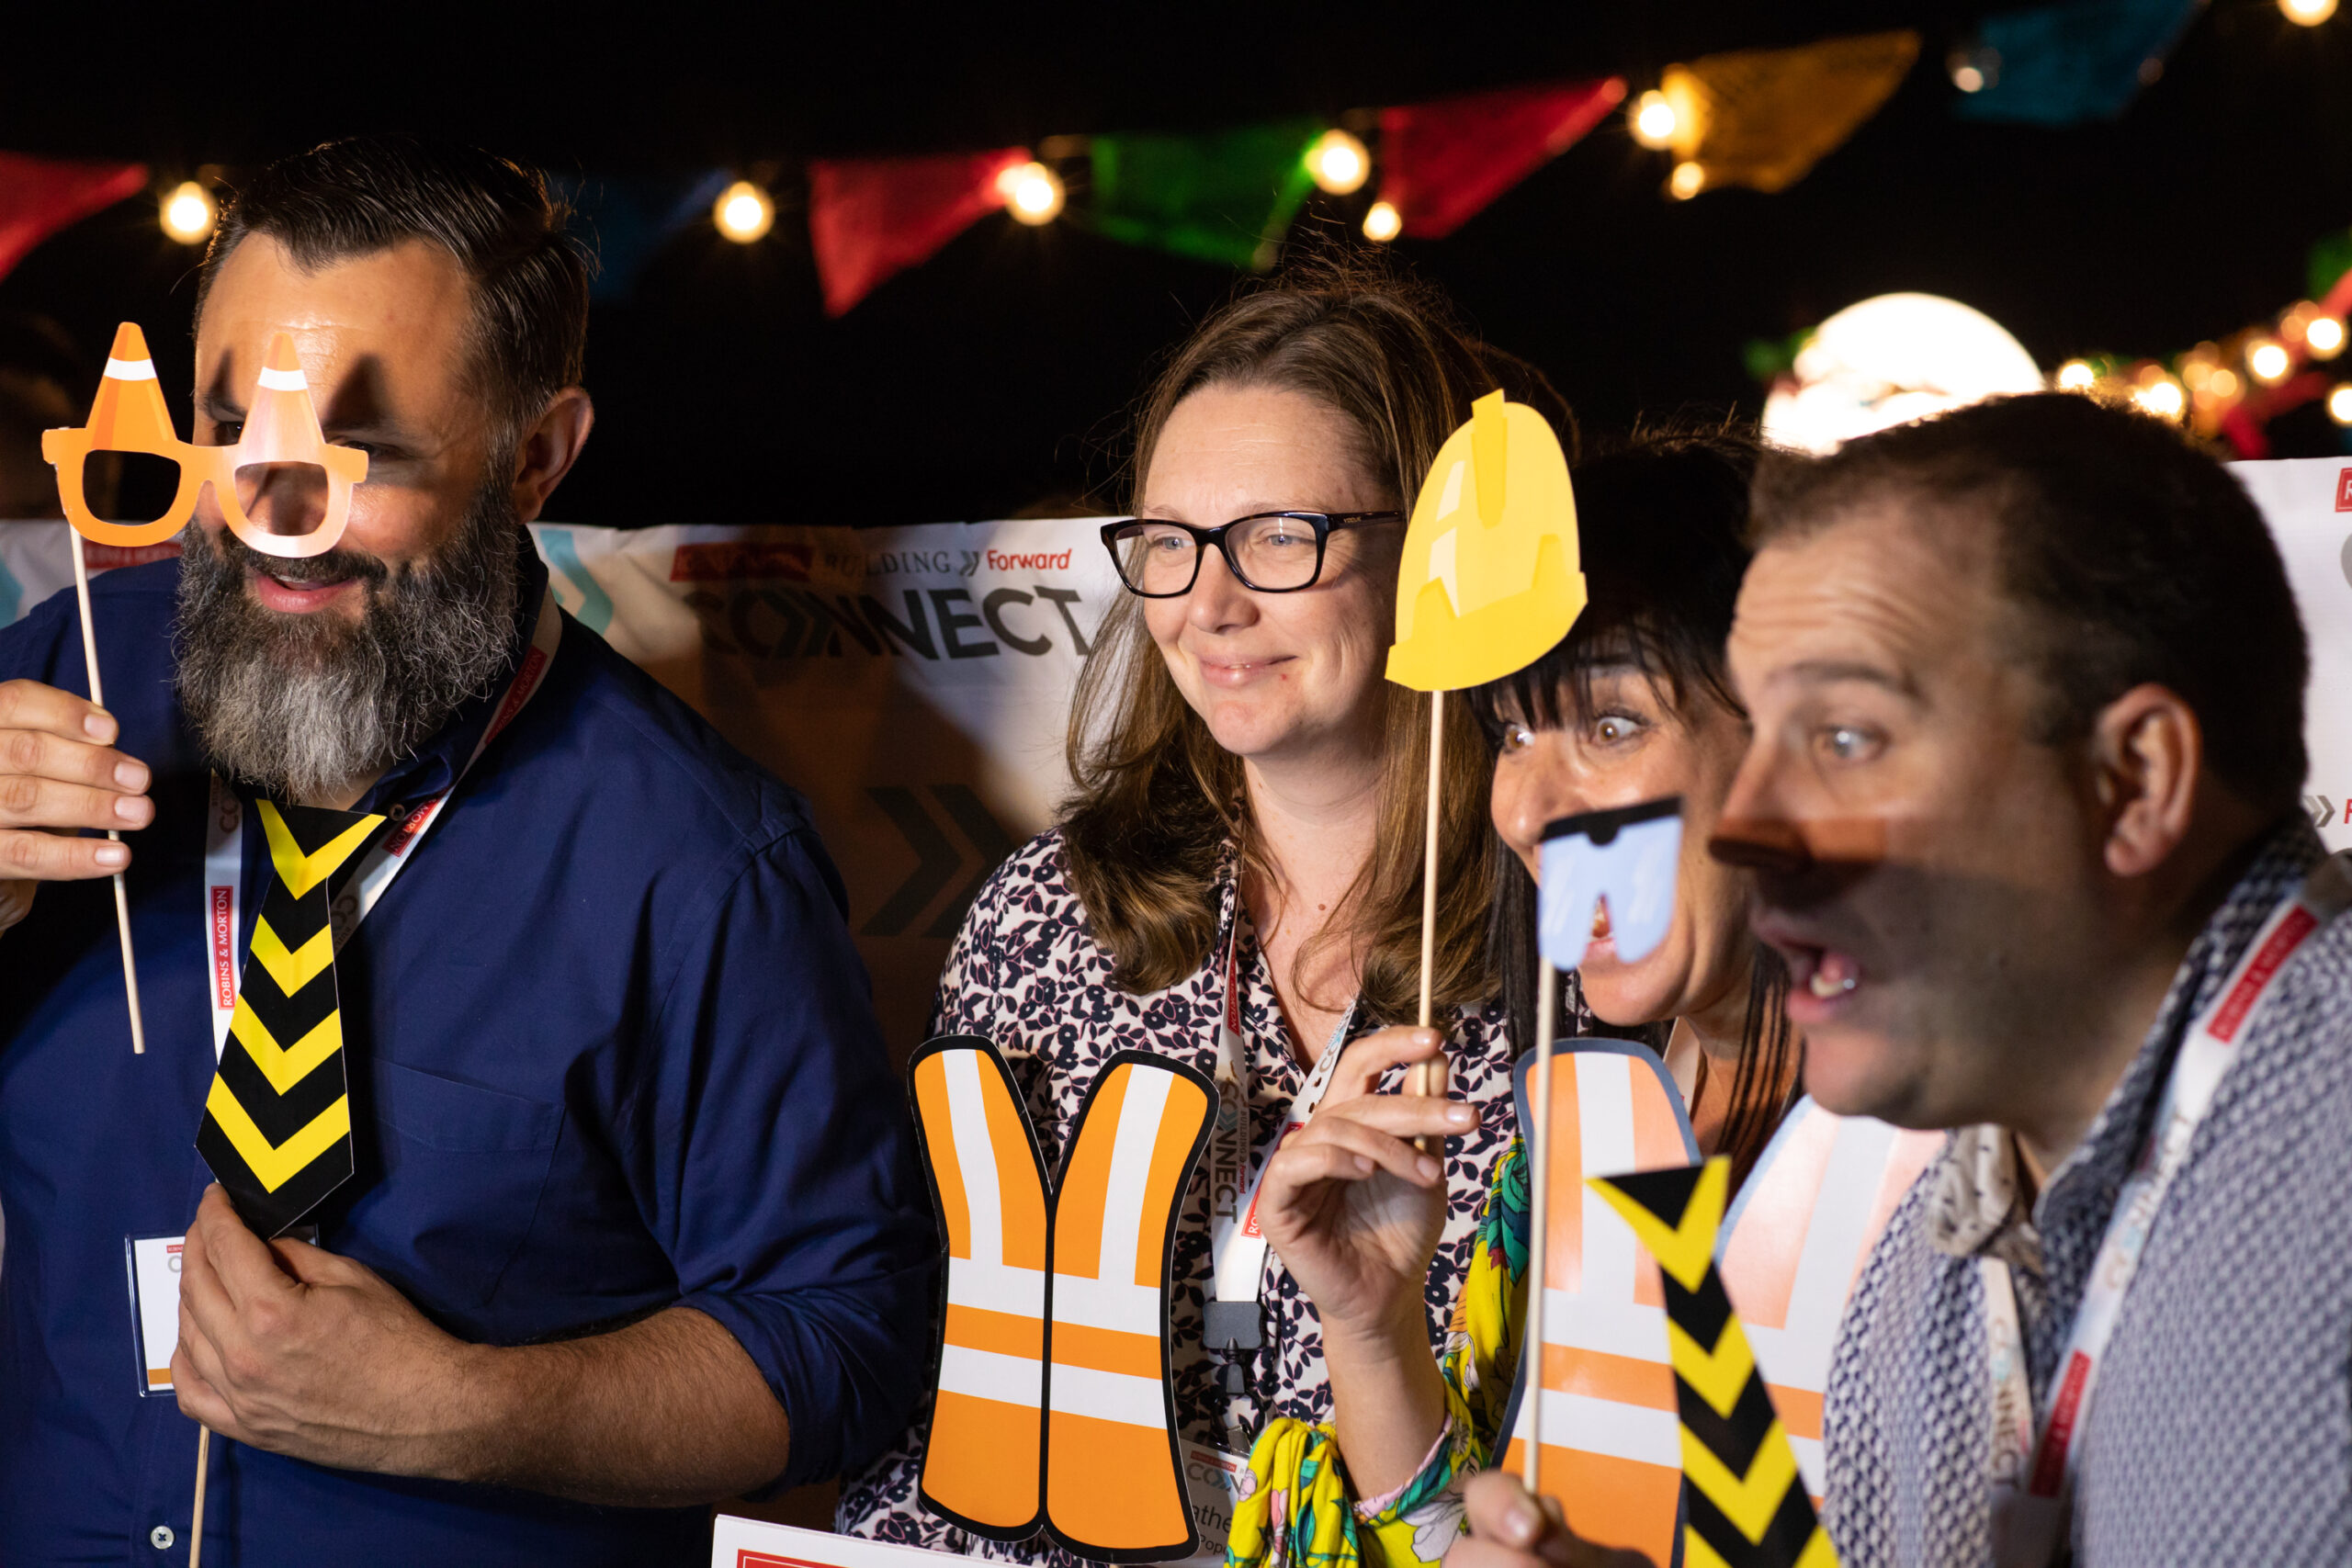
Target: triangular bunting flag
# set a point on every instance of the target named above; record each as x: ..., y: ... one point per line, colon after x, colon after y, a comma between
x: 40, y: 196
x: 1443, y: 161
x: 2067, y: 64
x: 1762, y: 117
x: 1225, y: 198
x: 628, y: 221
x: 869, y: 217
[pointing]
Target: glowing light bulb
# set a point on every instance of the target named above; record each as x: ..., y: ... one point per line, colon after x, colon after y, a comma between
x: 2223, y: 385
x: 2324, y: 335
x: 2268, y: 360
x: 188, y: 213
x: 1686, y: 181
x: 744, y: 212
x: 1338, y: 162
x: 2076, y: 376
x: 2307, y: 13
x: 1033, y: 193
x: 1383, y: 223
x: 1654, y: 120
x: 2162, y: 398
x: 2339, y: 403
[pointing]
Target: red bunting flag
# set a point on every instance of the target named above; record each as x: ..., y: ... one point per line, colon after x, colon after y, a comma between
x: 1443, y: 161
x: 40, y: 196
x: 869, y: 217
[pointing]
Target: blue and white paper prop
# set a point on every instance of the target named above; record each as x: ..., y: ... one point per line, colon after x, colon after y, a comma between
x: 1628, y: 855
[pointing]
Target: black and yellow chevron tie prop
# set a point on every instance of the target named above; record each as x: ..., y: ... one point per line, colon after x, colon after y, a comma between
x: 1744, y: 1504
x: 276, y: 1126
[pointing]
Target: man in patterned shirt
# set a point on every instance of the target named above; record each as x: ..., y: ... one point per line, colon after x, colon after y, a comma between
x: 2027, y: 684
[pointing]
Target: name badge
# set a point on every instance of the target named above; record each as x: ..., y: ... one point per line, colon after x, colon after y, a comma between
x: 154, y: 1263
x: 1212, y: 1484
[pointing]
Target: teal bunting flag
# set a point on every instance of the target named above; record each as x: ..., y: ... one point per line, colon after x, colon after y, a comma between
x: 2072, y: 64
x: 625, y: 221
x: 1226, y: 197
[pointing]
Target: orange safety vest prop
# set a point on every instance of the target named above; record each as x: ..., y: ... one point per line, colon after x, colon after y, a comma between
x: 1805, y: 1220
x: 1054, y: 1406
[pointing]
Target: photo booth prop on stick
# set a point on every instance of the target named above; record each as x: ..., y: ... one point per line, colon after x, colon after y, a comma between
x: 1489, y: 583
x: 1054, y: 1408
x: 1623, y: 860
x: 281, y: 431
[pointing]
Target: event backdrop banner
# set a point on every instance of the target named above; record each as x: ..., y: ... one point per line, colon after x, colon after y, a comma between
x: 914, y: 683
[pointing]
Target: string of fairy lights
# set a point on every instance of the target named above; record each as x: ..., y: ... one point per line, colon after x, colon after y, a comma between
x: 2259, y: 372
x: 2216, y: 387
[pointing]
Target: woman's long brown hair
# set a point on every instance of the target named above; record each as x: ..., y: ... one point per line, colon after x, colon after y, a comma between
x: 1156, y: 797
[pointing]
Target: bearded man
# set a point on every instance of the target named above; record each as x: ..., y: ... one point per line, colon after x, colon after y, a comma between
x: 633, y: 1224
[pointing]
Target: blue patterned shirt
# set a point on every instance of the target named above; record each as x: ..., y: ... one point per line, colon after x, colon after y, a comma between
x: 2221, y: 1427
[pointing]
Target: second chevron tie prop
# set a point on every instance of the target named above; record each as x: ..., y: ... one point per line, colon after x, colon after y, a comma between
x: 1744, y: 1503
x: 276, y: 1126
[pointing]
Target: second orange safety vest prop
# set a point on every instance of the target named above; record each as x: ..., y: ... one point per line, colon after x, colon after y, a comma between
x: 1805, y: 1219
x: 1054, y: 1408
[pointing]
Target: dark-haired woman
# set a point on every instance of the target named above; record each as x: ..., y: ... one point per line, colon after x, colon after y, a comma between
x: 1245, y: 840
x: 1633, y: 703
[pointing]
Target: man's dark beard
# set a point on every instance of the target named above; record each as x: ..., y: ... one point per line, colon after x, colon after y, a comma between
x: 297, y: 706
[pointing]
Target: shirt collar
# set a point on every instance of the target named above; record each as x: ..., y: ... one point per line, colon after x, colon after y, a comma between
x: 1974, y: 1191
x: 436, y: 764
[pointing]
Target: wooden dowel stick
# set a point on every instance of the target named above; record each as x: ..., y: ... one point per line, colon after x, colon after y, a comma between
x: 1424, y: 1075
x: 195, y: 1524
x: 122, y: 889
x: 1539, y: 1189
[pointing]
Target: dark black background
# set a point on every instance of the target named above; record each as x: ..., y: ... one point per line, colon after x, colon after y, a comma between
x: 996, y: 375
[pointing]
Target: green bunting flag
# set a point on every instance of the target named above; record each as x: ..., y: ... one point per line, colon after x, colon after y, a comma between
x: 1226, y: 197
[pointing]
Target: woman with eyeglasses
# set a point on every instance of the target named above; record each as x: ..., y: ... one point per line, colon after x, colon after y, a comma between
x: 1236, y: 880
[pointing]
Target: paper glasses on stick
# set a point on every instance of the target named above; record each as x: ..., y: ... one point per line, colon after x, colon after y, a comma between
x: 128, y: 415
x: 281, y: 426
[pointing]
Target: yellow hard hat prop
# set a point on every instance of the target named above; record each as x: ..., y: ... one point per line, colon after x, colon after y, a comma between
x: 1490, y: 578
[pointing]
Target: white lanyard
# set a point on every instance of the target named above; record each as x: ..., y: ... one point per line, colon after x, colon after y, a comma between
x: 224, y: 848
x: 1238, y: 1247
x: 2032, y: 1502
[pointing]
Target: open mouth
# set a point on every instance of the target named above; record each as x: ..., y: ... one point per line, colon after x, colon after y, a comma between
x: 1821, y: 979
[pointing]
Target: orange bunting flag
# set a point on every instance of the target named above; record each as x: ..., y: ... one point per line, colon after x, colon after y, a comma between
x: 1763, y: 118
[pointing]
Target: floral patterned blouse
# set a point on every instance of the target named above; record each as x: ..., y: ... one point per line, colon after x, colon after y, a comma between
x: 1025, y: 972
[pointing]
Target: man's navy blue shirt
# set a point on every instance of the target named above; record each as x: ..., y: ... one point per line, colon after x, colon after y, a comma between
x: 611, y: 1051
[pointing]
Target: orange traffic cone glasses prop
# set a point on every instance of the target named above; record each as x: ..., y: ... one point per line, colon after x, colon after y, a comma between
x: 281, y: 427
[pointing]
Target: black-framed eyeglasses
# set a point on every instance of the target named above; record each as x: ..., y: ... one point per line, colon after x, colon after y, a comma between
x: 1270, y: 552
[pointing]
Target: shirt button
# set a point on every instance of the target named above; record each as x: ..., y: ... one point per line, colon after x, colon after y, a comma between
x: 161, y: 1538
